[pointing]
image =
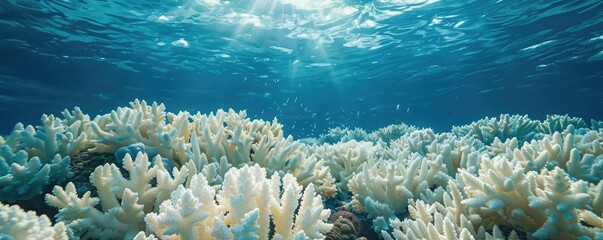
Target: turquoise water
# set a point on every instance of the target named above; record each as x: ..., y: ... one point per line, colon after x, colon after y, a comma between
x: 470, y: 118
x: 313, y: 65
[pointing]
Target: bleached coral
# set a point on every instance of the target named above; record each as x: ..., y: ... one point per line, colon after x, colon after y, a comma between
x: 15, y: 223
x: 230, y: 134
x: 390, y: 133
x: 51, y: 138
x: 245, y: 207
x: 415, y: 141
x: 580, y: 157
x: 338, y: 134
x: 22, y: 178
x: 596, y: 125
x: 384, y: 187
x: 546, y: 205
x: 207, y: 139
x: 503, y: 128
x: 345, y: 158
x: 559, y: 123
x: 77, y: 123
x: 561, y: 200
x: 449, y: 220
x: 594, y: 216
x: 541, y: 178
x: 241, y: 141
x: 139, y: 124
x: 456, y: 153
x: 160, y: 133
x: 116, y: 219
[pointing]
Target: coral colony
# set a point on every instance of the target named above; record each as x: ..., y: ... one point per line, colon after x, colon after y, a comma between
x: 225, y: 176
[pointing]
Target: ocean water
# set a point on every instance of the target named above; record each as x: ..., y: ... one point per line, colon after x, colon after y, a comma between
x: 313, y: 65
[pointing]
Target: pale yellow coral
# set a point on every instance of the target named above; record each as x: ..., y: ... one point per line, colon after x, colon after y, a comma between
x: 124, y: 202
x: 246, y: 206
x: 384, y: 187
x: 15, y: 223
x: 544, y: 204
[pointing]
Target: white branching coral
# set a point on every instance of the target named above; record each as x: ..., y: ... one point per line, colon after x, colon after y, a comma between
x: 449, y: 220
x: 123, y: 202
x: 456, y: 153
x: 209, y: 176
x: 287, y: 156
x: 560, y: 200
x: 345, y: 158
x: 230, y: 134
x: 139, y: 124
x: 54, y: 136
x: 245, y: 207
x: 415, y: 141
x: 423, y: 162
x: 240, y: 141
x: 581, y: 156
x: 208, y: 139
x: 337, y: 134
x: 547, y: 205
x: 391, y: 133
x: 384, y: 187
x: 22, y: 178
x: 505, y: 127
x: 559, y: 123
x: 31, y: 157
x: 15, y: 223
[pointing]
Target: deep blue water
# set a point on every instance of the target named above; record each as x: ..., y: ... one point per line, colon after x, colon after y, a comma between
x: 312, y: 64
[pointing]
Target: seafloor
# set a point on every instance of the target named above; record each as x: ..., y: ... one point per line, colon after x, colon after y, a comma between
x: 141, y: 172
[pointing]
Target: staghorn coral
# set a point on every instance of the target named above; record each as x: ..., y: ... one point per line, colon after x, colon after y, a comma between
x: 54, y: 136
x: 391, y: 133
x: 22, y: 178
x: 335, y: 135
x: 415, y: 141
x: 18, y: 224
x: 245, y: 207
x: 447, y: 220
x: 503, y: 128
x: 31, y: 157
x: 273, y: 152
x: 123, y: 202
x: 205, y: 140
x: 559, y: 123
x: 456, y: 153
x: 383, y: 188
x: 139, y: 124
x: 596, y: 125
x: 581, y: 157
x: 547, y: 205
x: 345, y: 158
x: 544, y: 181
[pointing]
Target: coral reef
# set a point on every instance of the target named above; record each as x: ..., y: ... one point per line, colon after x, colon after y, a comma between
x: 247, y: 205
x: 22, y: 178
x: 18, y: 224
x: 140, y: 172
